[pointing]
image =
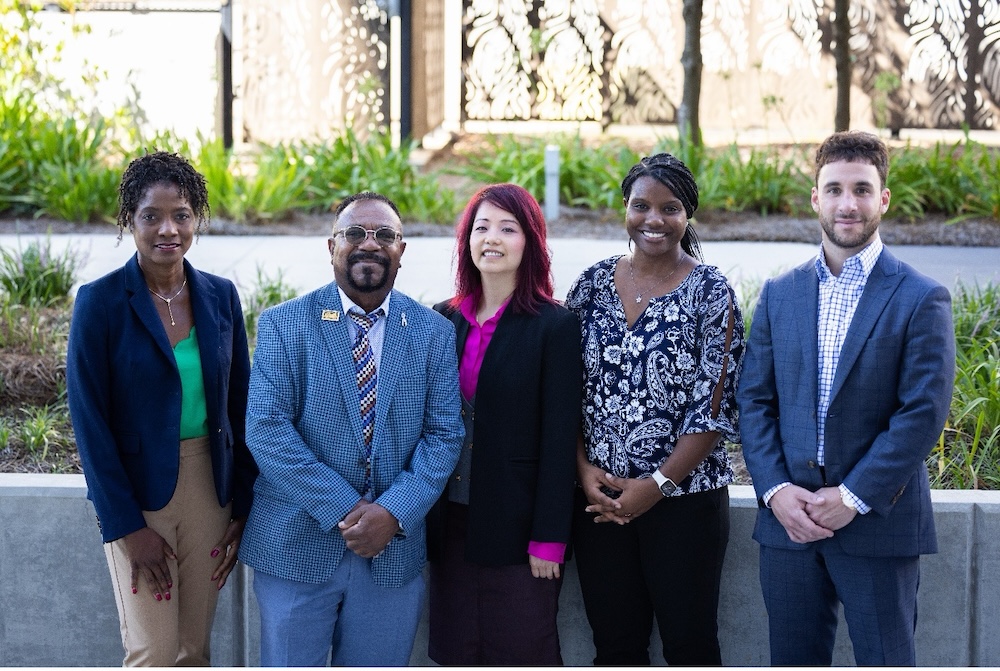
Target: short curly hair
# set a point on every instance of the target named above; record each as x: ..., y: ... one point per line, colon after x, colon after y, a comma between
x: 157, y: 168
x: 854, y: 146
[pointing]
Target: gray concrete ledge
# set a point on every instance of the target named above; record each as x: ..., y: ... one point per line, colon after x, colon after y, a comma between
x: 56, y: 607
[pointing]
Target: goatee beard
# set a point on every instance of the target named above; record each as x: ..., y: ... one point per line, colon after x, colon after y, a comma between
x: 368, y: 283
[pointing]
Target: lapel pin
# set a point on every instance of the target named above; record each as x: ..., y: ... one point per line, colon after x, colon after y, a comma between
x: 402, y: 319
x: 330, y: 316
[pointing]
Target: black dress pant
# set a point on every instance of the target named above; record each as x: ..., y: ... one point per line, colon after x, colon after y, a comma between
x: 667, y: 563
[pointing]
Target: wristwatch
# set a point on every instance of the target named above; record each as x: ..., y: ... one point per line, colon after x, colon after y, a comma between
x: 666, y: 485
x: 846, y: 500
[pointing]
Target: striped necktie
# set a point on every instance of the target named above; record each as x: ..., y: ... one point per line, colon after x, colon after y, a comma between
x: 364, y: 364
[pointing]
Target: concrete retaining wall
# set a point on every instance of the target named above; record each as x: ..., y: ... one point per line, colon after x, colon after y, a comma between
x: 56, y: 607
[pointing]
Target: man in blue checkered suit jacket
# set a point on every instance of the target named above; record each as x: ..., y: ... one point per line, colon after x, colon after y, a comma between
x: 336, y: 532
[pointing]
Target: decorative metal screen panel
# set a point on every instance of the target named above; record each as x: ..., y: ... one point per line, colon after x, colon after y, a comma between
x: 313, y: 66
x: 560, y: 60
x: 918, y: 63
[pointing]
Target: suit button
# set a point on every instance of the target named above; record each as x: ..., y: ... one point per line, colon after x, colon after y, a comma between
x: 458, y: 477
x: 218, y: 430
x: 463, y: 413
x: 470, y: 446
x: 811, y: 463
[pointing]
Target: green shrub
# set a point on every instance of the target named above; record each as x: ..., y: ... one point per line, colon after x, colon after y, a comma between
x: 215, y: 163
x: 39, y: 431
x: 763, y: 181
x: 17, y: 115
x: 346, y: 164
x: 507, y: 159
x: 589, y: 176
x: 275, y: 189
x: 262, y: 186
x: 35, y: 276
x: 268, y: 291
x: 70, y: 177
x: 968, y: 455
x: 960, y: 180
x: 82, y: 192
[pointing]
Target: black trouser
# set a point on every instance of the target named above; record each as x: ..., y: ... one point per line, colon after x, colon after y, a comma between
x: 667, y: 562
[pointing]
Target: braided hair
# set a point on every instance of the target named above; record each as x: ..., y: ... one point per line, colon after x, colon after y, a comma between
x: 671, y: 172
x: 158, y: 168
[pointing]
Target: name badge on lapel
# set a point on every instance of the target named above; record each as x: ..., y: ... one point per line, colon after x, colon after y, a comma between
x: 330, y: 316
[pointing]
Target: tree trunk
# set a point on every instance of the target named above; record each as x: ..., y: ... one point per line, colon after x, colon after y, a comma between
x: 688, y: 125
x: 842, y: 57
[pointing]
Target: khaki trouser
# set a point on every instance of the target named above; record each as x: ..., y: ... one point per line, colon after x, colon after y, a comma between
x: 175, y: 632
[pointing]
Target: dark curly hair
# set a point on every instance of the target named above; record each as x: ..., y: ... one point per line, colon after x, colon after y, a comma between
x: 671, y: 172
x: 854, y: 146
x: 157, y: 168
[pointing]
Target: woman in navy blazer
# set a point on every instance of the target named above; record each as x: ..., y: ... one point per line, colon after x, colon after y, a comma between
x: 498, y: 536
x: 157, y: 373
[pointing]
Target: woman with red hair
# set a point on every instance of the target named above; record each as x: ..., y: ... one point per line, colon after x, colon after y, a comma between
x: 497, y: 538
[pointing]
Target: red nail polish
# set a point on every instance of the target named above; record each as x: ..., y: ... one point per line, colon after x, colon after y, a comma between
x: 170, y: 584
x: 215, y: 552
x: 135, y: 591
x: 158, y: 597
x: 168, y: 596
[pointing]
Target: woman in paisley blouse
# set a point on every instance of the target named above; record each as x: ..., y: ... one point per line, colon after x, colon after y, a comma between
x: 662, y: 349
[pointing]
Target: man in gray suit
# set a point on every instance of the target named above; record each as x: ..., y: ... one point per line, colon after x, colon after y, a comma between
x: 354, y: 420
x: 846, y: 387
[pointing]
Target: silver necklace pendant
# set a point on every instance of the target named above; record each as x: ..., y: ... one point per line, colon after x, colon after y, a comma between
x: 167, y: 300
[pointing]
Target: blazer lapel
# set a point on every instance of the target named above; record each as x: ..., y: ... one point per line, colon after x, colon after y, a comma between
x: 461, y: 332
x: 881, y: 285
x: 396, y: 345
x: 806, y: 292
x: 205, y: 307
x: 333, y: 324
x: 500, y: 345
x: 141, y: 302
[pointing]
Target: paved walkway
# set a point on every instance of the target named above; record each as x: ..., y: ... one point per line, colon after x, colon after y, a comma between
x: 427, y: 265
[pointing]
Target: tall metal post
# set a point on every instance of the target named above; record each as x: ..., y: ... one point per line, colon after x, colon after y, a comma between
x: 551, y: 182
x: 226, y: 73
x: 400, y: 43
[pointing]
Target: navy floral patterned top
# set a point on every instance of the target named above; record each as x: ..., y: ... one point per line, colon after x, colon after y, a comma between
x: 650, y: 384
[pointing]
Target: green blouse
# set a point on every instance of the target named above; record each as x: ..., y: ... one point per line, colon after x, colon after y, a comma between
x: 194, y: 417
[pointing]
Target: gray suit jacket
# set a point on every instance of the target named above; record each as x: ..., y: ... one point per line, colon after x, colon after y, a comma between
x: 889, y: 402
x: 304, y: 430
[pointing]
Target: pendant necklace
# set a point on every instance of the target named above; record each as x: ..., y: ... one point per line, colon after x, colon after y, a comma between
x: 638, y: 293
x: 167, y: 300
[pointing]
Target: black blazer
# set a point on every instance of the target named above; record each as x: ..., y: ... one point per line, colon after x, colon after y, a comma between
x: 125, y: 395
x: 527, y: 419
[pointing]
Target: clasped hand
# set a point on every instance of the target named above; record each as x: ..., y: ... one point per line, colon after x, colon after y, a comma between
x: 635, y: 498
x: 368, y: 528
x: 810, y: 516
